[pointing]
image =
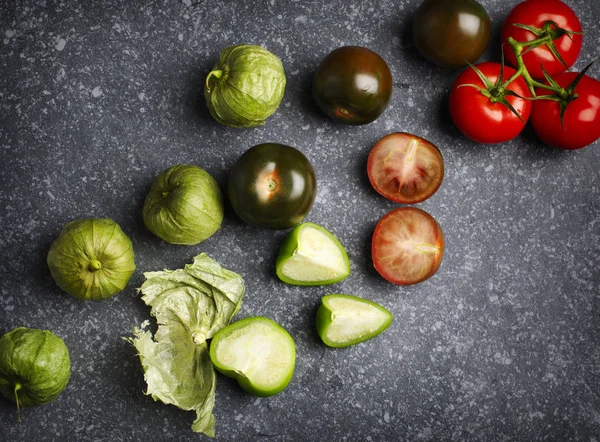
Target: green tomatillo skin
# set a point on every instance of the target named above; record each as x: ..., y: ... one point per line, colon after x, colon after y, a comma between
x: 92, y: 259
x: 34, y: 366
x: 184, y: 205
x: 245, y: 87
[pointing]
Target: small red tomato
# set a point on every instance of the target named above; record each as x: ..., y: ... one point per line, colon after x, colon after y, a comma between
x: 405, y: 168
x: 407, y: 246
x: 581, y: 117
x: 535, y: 13
x: 480, y: 111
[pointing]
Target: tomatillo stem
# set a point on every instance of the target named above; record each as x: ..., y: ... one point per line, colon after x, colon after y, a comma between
x: 95, y: 265
x: 218, y: 73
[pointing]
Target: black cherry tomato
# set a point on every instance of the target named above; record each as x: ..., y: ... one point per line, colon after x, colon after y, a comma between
x: 353, y: 85
x: 272, y: 185
x: 451, y: 33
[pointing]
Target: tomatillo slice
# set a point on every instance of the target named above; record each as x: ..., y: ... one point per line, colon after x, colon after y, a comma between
x: 256, y: 351
x: 345, y: 320
x: 311, y: 255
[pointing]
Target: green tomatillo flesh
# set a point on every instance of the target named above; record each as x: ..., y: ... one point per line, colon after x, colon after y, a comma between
x: 345, y: 320
x: 257, y: 352
x: 311, y: 255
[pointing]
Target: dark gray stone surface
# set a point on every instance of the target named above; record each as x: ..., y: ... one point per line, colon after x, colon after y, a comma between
x: 503, y: 343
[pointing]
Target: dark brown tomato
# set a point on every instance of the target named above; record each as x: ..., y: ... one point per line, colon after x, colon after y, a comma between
x: 451, y: 33
x: 272, y: 185
x: 353, y: 85
x: 405, y: 168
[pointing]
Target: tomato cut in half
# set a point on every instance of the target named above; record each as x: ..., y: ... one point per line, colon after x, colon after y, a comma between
x: 405, y: 168
x: 407, y: 246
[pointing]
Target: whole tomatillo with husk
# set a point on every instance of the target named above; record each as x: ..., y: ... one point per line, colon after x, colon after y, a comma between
x: 184, y: 205
x: 34, y: 366
x: 245, y: 87
x: 92, y: 259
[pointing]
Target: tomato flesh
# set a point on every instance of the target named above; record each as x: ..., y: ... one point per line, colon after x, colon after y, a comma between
x: 535, y: 13
x: 581, y: 118
x: 272, y: 185
x: 405, y: 168
x: 407, y: 246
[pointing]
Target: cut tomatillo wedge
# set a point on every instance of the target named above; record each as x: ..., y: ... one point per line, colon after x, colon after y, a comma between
x: 344, y: 320
x: 256, y: 351
x: 311, y: 255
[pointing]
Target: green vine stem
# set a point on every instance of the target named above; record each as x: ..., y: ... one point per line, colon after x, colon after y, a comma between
x: 517, y: 49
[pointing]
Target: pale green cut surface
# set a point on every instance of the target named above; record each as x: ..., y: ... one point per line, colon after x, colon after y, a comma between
x: 352, y: 320
x: 259, y: 352
x: 318, y: 258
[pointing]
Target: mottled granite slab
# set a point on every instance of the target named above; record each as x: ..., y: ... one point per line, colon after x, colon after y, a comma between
x: 503, y: 343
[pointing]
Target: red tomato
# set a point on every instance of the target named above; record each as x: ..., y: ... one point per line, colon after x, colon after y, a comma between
x: 405, y: 168
x: 535, y: 13
x: 407, y: 246
x: 581, y: 118
x: 485, y: 119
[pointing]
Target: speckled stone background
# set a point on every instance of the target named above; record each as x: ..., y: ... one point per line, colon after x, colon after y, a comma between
x: 96, y: 98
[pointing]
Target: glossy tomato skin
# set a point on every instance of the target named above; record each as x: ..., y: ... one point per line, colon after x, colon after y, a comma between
x: 407, y: 246
x: 535, y: 13
x: 353, y: 85
x: 405, y: 168
x: 272, y: 185
x: 451, y: 33
x: 581, y: 117
x: 482, y: 120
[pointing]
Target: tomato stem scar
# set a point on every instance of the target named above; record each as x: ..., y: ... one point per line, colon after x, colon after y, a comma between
x: 427, y: 249
x: 411, y: 151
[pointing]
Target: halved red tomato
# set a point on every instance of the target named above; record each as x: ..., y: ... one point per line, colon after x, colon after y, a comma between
x: 405, y: 168
x: 407, y: 246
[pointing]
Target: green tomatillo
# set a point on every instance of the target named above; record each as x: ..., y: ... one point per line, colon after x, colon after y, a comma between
x: 184, y: 205
x: 34, y: 366
x: 245, y: 87
x: 92, y: 259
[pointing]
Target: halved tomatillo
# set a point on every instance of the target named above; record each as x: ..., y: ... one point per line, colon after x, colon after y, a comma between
x: 257, y: 352
x: 311, y: 255
x: 345, y: 320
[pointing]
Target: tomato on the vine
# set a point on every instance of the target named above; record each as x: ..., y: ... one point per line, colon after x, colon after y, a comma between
x: 272, y: 185
x: 580, y: 125
x: 483, y: 112
x: 407, y: 246
x: 535, y: 13
x: 405, y: 168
